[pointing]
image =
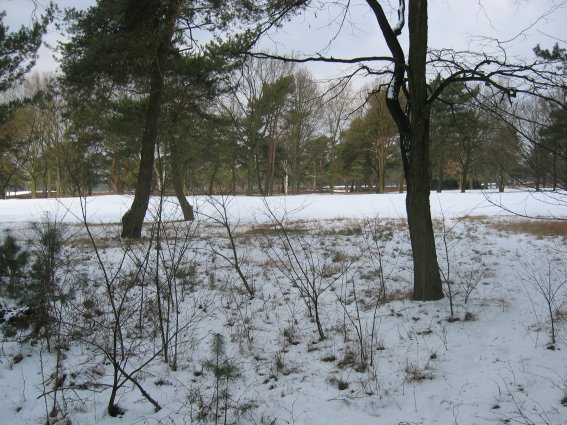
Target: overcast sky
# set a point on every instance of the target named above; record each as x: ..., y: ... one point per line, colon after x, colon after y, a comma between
x: 456, y: 24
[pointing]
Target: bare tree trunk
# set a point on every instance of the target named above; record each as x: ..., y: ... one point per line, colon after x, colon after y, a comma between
x: 414, y: 140
x: 427, y: 281
x: 381, y: 187
x: 285, y: 168
x: 58, y: 181
x: 48, y: 184
x: 178, y: 187
x: 501, y: 181
x: 249, y: 179
x: 464, y: 178
x: 134, y: 218
x: 440, y: 178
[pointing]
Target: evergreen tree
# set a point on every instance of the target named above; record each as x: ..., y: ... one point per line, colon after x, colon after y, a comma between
x: 18, y: 53
x: 134, y: 47
x: 13, y: 263
x: 18, y: 50
x: 554, y: 140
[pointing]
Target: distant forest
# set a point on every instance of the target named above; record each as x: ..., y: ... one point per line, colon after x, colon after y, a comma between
x: 219, y: 120
x: 270, y: 129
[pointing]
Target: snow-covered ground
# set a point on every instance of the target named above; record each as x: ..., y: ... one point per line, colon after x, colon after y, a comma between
x: 383, y: 360
x: 110, y: 208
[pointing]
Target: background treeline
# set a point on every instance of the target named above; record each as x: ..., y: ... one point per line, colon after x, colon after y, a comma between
x: 269, y: 127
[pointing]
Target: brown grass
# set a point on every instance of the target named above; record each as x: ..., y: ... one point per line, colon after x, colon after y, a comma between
x: 538, y: 228
x: 267, y: 229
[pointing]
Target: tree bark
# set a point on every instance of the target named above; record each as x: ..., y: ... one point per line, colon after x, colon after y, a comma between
x: 440, y: 177
x: 427, y: 280
x: 117, y: 179
x: 133, y: 220
x: 414, y: 142
x: 464, y: 178
x: 250, y: 174
x: 177, y: 178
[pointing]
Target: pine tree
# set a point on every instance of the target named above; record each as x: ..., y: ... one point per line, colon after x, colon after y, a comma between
x: 13, y: 262
x: 138, y: 49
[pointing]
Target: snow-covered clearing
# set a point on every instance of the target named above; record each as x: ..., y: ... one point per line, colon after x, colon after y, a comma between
x: 384, y: 359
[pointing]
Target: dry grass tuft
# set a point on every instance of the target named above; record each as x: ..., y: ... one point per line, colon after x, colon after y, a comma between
x: 399, y: 294
x: 538, y: 228
x: 415, y: 373
x: 268, y: 229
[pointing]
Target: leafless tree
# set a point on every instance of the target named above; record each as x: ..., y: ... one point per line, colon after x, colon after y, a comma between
x: 409, y: 99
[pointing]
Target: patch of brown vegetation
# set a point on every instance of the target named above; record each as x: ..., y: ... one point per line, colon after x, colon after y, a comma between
x: 538, y: 228
x: 267, y: 229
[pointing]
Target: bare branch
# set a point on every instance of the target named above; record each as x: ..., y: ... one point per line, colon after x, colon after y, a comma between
x: 260, y: 55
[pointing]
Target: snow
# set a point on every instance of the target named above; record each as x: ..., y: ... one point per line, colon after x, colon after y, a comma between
x: 401, y: 18
x: 450, y: 204
x: 494, y: 368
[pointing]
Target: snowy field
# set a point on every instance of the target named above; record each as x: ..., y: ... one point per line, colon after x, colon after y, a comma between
x: 330, y: 336
x: 109, y: 209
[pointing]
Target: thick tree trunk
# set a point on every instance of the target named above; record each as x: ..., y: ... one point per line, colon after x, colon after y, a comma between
x: 414, y: 140
x: 133, y: 220
x: 427, y: 280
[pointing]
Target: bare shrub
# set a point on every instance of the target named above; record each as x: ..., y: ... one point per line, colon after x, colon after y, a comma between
x: 547, y: 277
x: 302, y: 263
x: 221, y: 216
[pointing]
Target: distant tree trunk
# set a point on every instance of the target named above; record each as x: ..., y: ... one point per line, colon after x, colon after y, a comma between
x: 464, y: 177
x: 117, y: 179
x: 33, y: 187
x: 249, y: 175
x: 212, y: 179
x: 233, y: 177
x: 381, y: 185
x: 271, y: 165
x: 440, y: 178
x: 133, y: 220
x: 48, y: 183
x: 565, y: 169
x: 58, y: 180
x: 258, y: 174
x: 554, y: 171
x: 501, y: 182
x: 177, y: 178
x: 285, y: 168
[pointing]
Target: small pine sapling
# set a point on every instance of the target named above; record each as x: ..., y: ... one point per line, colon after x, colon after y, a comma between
x: 224, y: 371
x: 43, y: 289
x: 13, y: 262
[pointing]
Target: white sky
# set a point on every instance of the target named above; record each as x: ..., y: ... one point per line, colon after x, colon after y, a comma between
x: 457, y: 24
